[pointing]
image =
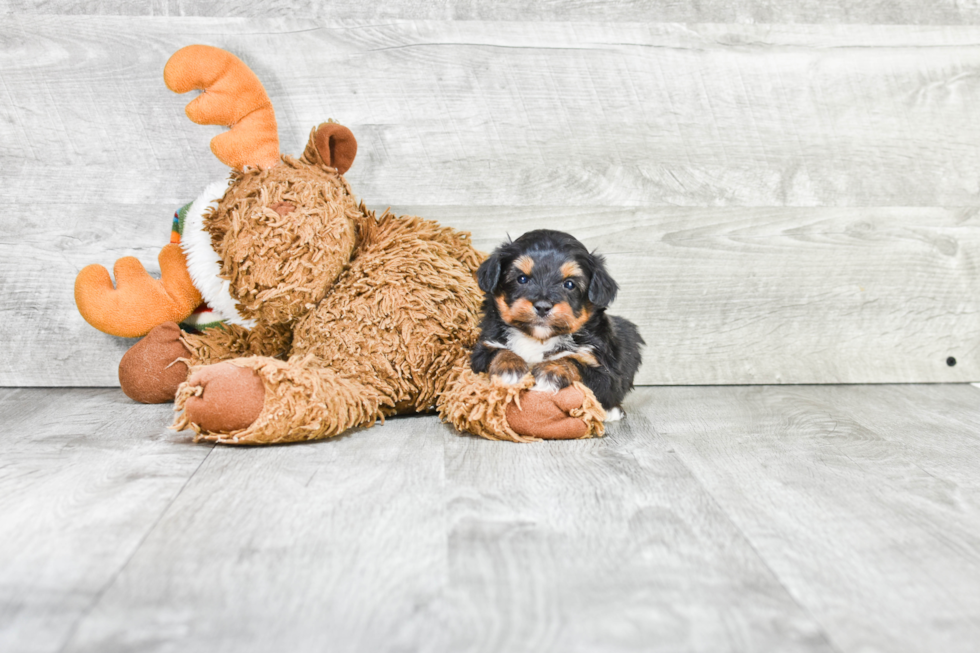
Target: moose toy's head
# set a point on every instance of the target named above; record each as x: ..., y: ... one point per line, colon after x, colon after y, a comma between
x: 263, y: 246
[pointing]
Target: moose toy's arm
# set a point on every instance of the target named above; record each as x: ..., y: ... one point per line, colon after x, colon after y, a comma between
x: 487, y: 407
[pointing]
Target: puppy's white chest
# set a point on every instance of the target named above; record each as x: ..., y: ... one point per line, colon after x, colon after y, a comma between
x: 531, y: 350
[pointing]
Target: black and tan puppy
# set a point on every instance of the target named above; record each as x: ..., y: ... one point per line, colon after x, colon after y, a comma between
x: 544, y: 312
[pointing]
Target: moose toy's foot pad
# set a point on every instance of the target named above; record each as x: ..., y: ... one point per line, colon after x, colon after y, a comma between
x: 546, y: 415
x: 228, y: 398
x: 151, y: 371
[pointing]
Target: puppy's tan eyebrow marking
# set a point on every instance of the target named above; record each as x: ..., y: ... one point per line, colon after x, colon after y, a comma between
x: 571, y: 269
x: 525, y: 264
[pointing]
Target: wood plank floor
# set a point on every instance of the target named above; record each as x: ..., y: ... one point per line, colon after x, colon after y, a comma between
x: 763, y: 518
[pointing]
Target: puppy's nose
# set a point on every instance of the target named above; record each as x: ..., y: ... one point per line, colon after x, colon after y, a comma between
x: 542, y: 307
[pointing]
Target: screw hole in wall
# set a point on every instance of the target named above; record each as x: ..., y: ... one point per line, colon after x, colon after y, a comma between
x: 951, y: 361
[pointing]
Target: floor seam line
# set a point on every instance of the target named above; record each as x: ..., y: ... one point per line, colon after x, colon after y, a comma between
x: 751, y: 544
x: 109, y: 583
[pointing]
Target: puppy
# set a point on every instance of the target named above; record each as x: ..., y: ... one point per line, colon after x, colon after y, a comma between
x: 544, y: 312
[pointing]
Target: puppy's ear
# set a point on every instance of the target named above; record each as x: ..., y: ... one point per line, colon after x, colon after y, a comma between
x: 602, y: 288
x: 488, y: 274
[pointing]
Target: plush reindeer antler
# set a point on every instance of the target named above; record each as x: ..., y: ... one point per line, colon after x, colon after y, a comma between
x: 138, y: 302
x: 232, y: 96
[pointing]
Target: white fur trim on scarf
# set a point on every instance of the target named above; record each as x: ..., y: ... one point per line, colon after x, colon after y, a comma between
x: 203, y: 263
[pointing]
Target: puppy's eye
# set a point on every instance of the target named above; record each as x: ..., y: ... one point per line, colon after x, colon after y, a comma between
x: 569, y: 284
x: 522, y: 279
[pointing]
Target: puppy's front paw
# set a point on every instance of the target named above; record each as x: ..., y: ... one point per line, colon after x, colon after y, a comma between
x: 552, y: 376
x: 508, y: 367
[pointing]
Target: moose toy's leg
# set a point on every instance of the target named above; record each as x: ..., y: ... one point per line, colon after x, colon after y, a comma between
x: 489, y: 408
x: 154, y: 367
x: 258, y: 400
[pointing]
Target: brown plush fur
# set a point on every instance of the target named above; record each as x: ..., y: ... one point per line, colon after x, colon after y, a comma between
x: 359, y: 316
x: 368, y: 349
x: 371, y: 314
x: 281, y: 265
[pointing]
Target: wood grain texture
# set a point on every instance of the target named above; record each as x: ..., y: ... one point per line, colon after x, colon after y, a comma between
x: 767, y: 194
x: 852, y: 496
x: 294, y: 548
x: 412, y: 537
x: 84, y: 476
x: 482, y: 113
x: 940, y: 12
x: 604, y: 545
x: 805, y: 518
x: 40, y: 256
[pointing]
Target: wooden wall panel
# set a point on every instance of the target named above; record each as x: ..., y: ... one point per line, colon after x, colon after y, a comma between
x: 780, y: 203
x: 913, y: 12
x: 774, y: 295
x: 513, y: 113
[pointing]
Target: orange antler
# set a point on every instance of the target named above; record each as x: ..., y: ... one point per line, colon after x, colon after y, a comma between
x: 138, y: 302
x: 232, y: 96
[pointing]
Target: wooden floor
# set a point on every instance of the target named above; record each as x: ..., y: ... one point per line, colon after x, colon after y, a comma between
x: 779, y: 518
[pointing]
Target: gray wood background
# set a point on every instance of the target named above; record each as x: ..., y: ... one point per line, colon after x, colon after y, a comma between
x: 788, y: 202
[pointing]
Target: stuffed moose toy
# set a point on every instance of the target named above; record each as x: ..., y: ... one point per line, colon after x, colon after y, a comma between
x: 304, y: 313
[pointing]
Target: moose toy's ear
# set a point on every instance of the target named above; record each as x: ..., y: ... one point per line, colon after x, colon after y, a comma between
x: 332, y: 145
x: 602, y: 288
x: 488, y: 274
